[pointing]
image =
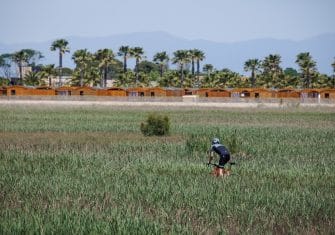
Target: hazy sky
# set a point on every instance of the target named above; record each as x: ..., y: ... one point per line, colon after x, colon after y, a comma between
x: 216, y: 20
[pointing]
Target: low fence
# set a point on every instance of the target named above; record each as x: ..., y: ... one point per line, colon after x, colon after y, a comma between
x: 175, y: 99
x: 96, y: 98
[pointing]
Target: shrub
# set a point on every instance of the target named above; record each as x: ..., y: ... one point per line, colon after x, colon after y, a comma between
x: 156, y: 125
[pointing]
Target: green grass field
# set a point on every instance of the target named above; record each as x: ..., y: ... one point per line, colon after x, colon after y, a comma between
x: 80, y: 170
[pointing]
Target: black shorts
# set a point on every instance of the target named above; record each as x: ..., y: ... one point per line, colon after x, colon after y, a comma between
x: 224, y: 159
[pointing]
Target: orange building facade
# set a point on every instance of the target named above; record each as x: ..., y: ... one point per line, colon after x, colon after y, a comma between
x: 245, y: 93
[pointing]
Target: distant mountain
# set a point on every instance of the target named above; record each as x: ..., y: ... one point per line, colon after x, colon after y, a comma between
x: 221, y: 55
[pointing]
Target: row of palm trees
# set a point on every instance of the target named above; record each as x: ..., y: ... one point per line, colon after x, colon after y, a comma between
x: 271, y: 67
x: 97, y: 67
x: 106, y: 58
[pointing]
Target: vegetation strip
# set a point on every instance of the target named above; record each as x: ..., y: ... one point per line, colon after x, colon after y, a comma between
x: 90, y: 170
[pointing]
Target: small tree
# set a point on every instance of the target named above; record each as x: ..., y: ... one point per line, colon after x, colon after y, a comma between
x: 156, y: 125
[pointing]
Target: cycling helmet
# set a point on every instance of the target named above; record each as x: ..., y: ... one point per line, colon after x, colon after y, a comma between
x: 215, y: 141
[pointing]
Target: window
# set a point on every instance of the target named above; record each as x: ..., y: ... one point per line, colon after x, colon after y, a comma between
x: 245, y: 94
x: 327, y: 95
x: 81, y: 93
x: 152, y: 93
x: 12, y: 92
x: 256, y: 95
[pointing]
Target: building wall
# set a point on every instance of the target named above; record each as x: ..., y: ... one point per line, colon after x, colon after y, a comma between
x: 117, y: 93
x: 112, y: 92
x: 161, y: 92
x: 262, y: 93
x: 3, y: 91
x: 218, y: 93
x: 44, y: 91
x: 327, y: 94
x: 203, y: 92
x: 17, y: 91
x: 175, y: 92
x: 84, y: 91
x: 242, y: 93
x: 155, y: 92
x: 64, y: 91
x: 288, y: 93
x: 137, y: 91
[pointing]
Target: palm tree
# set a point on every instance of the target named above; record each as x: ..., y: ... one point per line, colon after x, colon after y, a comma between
x: 271, y: 69
x: 191, y: 54
x: 21, y: 59
x: 170, y: 79
x: 271, y: 63
x: 199, y: 56
x: 33, y: 57
x: 5, y: 64
x: 208, y: 68
x: 2, y: 60
x: 62, y: 46
x: 137, y: 53
x: 124, y: 51
x: 234, y: 80
x: 252, y: 65
x: 125, y: 79
x: 48, y: 71
x: 182, y: 58
x: 162, y: 59
x: 307, y: 66
x: 333, y: 65
x: 208, y: 80
x: 32, y: 78
x: 24, y: 58
x: 105, y: 57
x: 82, y: 59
